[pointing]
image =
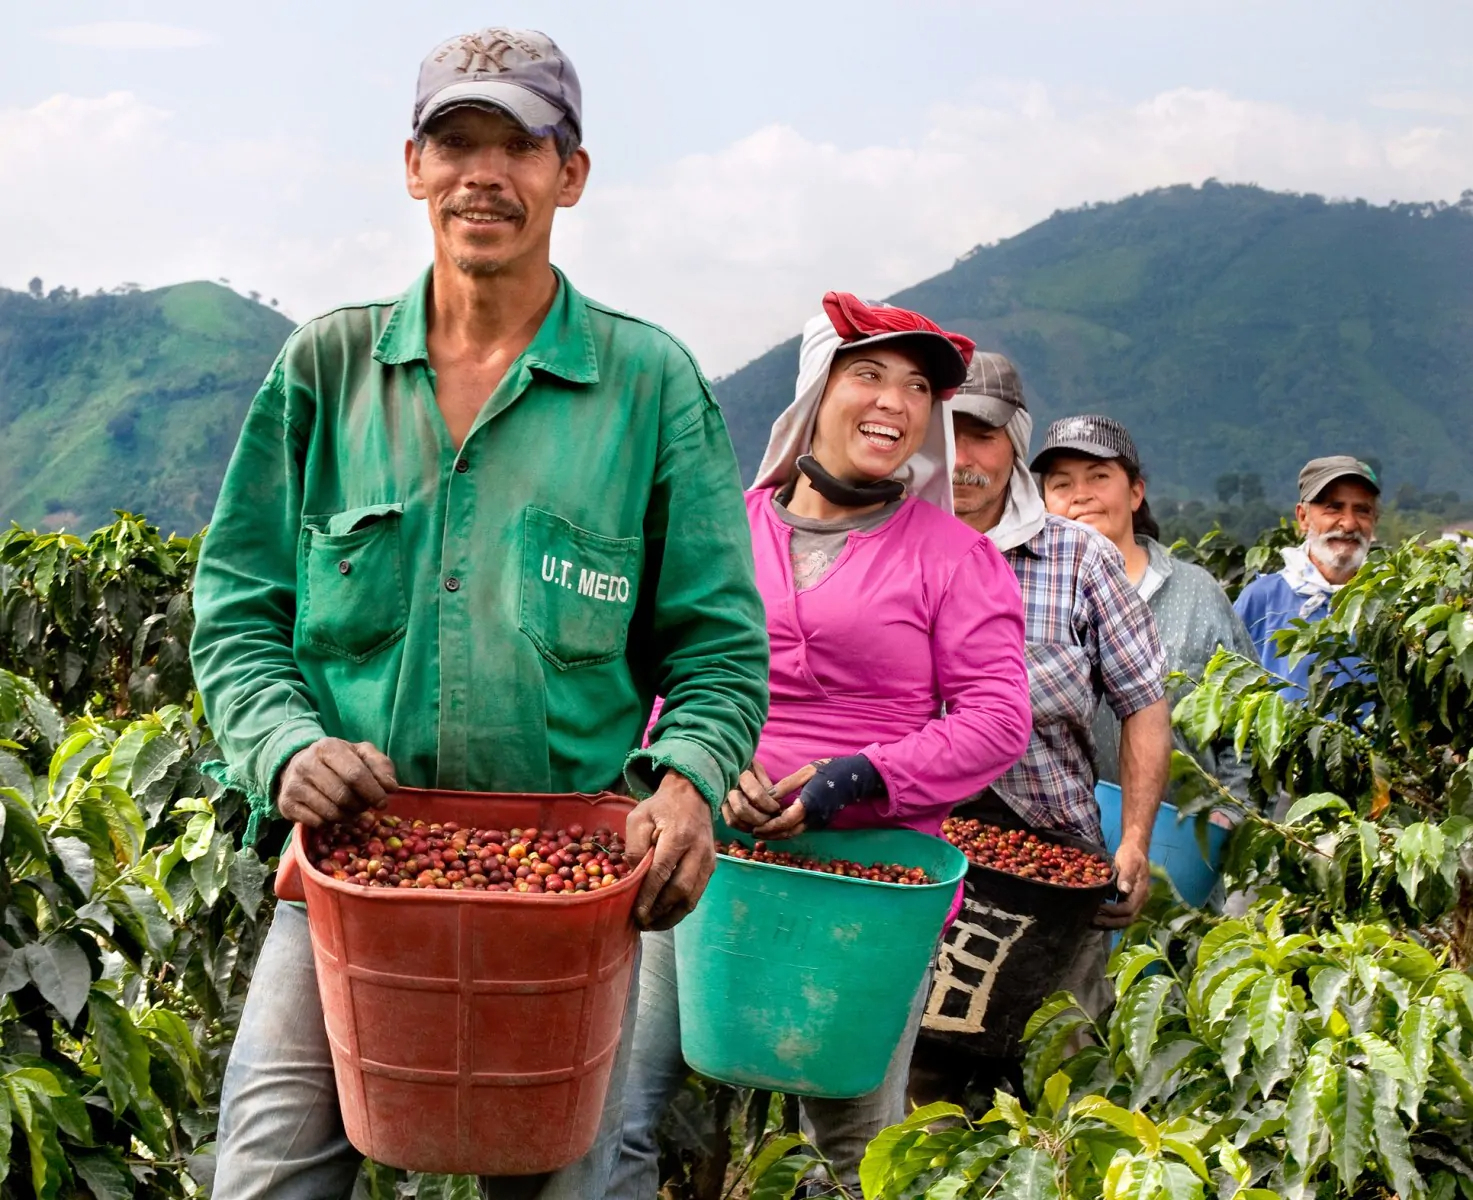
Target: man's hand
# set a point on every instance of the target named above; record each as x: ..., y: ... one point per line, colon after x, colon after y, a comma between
x: 332, y: 779
x: 753, y: 801
x: 1133, y: 879
x: 673, y: 825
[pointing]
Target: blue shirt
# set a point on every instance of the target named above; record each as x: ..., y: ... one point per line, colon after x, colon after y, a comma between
x: 1269, y: 604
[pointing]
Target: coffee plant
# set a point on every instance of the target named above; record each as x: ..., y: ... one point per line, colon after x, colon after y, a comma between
x: 101, y: 625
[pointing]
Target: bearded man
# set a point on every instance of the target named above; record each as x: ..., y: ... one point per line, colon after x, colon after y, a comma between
x: 1339, y: 503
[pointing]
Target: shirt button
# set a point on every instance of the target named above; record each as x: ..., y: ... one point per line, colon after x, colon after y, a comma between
x: 452, y: 584
x: 345, y: 566
x: 461, y: 466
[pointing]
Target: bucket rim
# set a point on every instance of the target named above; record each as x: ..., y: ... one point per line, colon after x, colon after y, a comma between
x: 954, y: 877
x: 298, y: 850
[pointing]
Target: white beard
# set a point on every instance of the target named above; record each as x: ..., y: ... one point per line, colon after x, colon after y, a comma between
x: 1340, y: 552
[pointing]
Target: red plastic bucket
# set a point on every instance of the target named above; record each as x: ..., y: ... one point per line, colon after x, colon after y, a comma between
x: 473, y: 1033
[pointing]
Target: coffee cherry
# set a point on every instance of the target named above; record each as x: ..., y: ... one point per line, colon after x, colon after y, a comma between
x: 874, y: 872
x: 385, y: 851
x: 1025, y: 854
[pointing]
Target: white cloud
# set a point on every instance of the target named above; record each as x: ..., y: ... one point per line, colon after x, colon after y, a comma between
x: 128, y: 35
x: 731, y: 250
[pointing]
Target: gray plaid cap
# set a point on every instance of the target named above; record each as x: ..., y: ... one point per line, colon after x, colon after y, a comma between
x: 519, y: 71
x: 1320, y: 473
x: 1097, y: 436
x: 992, y: 391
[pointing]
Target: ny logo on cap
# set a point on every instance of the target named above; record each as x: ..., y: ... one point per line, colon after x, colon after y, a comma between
x: 487, y: 55
x: 1078, y: 427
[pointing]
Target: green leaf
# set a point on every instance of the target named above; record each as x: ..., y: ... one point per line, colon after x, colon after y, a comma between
x: 1059, y: 1002
x: 153, y: 762
x: 211, y: 871
x: 1140, y: 1017
x: 247, y: 881
x: 1271, y: 726
x: 1460, y: 631
x: 1327, y: 985
x: 30, y: 1107
x: 1235, y: 1044
x: 1267, y: 1004
x: 1006, y: 1107
x: 1382, y: 1056
x: 1172, y: 1051
x: 105, y: 1172
x: 1225, y: 994
x: 447, y: 1187
x: 61, y: 972
x: 780, y: 1181
x: 1056, y: 1093
x: 1309, y: 1101
x: 1350, y: 1127
x: 1129, y: 963
x: 123, y: 1053
x: 1048, y: 1050
x: 22, y: 829
x: 1309, y: 805
x: 780, y: 1146
x: 198, y: 835
x: 1416, y: 1033
x: 76, y: 859
x: 1394, y: 1150
x: 1233, y: 1163
x: 1031, y: 1174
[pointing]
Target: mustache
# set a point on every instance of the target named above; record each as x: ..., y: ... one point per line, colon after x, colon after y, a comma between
x: 496, y: 206
x: 1354, y: 536
x: 965, y: 477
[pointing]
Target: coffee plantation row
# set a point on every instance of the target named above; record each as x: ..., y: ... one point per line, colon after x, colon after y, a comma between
x: 1319, y: 1043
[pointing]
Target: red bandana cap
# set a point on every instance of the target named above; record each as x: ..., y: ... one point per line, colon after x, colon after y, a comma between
x: 942, y: 356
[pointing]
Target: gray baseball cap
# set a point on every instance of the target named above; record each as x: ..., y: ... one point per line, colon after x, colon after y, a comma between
x: 992, y: 391
x: 1320, y: 473
x: 519, y: 71
x: 1096, y: 436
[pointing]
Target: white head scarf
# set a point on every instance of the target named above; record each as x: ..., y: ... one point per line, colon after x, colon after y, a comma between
x: 927, y: 473
x: 1024, y: 513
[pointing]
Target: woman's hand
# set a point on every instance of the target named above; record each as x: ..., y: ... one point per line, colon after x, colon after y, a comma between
x: 828, y: 785
x: 753, y: 801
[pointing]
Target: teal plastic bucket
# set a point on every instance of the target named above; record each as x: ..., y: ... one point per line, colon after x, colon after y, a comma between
x: 1173, y: 846
x: 800, y: 982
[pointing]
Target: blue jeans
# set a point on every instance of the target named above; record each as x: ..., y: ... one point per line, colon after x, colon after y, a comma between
x: 281, y: 1133
x: 841, y: 1129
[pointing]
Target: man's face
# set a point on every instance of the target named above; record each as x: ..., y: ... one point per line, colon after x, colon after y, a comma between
x: 984, y: 464
x: 492, y: 188
x: 1338, y: 526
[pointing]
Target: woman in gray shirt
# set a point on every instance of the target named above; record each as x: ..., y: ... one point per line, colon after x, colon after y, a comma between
x: 1089, y: 471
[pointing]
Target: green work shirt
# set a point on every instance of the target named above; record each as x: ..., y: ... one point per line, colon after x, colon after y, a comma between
x: 497, y: 619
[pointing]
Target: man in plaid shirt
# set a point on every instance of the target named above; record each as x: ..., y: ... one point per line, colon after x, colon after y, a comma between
x: 1089, y: 637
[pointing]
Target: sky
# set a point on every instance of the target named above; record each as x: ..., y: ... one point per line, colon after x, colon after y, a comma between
x: 746, y: 157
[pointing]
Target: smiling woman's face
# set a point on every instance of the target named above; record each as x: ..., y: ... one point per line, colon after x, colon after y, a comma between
x: 1094, y: 491
x: 873, y: 416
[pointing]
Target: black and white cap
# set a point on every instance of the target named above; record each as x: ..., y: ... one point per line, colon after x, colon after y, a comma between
x: 1096, y: 436
x: 992, y: 391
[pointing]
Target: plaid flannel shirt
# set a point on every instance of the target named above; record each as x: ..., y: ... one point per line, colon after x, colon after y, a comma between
x: 1088, y: 635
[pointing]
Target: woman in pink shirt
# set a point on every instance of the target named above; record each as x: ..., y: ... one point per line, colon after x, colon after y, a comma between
x: 898, y: 682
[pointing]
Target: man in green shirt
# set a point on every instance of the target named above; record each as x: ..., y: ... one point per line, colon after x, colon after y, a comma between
x: 467, y: 536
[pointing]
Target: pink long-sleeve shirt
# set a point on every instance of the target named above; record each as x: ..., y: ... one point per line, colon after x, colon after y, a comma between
x: 919, y: 613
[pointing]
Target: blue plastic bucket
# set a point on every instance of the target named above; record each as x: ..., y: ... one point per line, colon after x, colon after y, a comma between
x: 1173, y: 845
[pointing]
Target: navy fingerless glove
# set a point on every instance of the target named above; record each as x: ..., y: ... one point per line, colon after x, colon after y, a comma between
x: 839, y: 783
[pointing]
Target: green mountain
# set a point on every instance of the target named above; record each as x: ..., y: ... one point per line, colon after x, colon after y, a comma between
x: 125, y: 401
x: 1232, y: 330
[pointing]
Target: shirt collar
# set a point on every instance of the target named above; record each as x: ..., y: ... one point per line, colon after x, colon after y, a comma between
x: 1158, y: 556
x: 563, y: 346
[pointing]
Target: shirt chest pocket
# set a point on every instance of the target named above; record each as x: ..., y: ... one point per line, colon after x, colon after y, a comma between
x: 578, y: 590
x: 354, y: 604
